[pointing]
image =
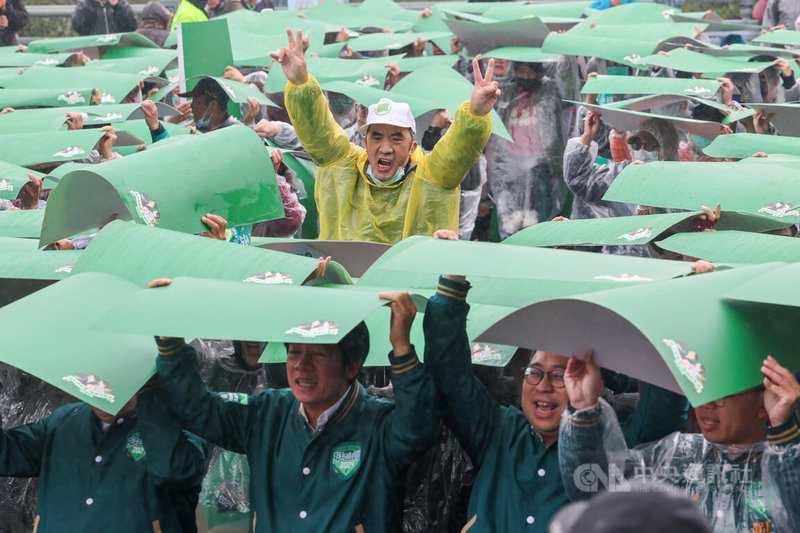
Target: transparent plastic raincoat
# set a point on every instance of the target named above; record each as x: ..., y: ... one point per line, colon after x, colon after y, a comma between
x: 739, y: 488
x: 351, y: 207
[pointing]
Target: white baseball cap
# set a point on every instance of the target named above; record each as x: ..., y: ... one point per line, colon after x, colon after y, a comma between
x: 392, y: 113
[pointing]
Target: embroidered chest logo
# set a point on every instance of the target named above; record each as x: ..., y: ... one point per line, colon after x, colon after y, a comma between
x: 234, y: 397
x: 688, y: 364
x: 345, y: 459
x: 135, y: 447
x: 91, y: 386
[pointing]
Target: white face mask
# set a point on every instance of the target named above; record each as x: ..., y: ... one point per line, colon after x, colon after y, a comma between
x: 644, y: 156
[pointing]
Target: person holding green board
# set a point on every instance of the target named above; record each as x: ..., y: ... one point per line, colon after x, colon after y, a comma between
x: 742, y: 470
x: 388, y: 190
x: 324, y: 455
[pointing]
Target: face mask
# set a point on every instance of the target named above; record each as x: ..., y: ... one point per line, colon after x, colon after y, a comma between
x: 700, y: 142
x: 203, y: 123
x: 400, y: 174
x: 527, y: 84
x: 617, y: 71
x: 644, y: 156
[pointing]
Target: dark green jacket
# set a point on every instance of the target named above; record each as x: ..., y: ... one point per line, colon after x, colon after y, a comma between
x: 518, y: 486
x: 348, y: 477
x: 142, y: 474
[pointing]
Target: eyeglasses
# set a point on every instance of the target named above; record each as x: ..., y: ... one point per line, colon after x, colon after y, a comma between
x: 637, y: 144
x: 722, y: 401
x: 534, y: 376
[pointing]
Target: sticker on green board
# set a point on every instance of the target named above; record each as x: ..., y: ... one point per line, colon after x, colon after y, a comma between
x: 135, y: 447
x: 48, y: 61
x: 146, y: 208
x: 633, y: 58
x: 482, y: 353
x: 270, y: 278
x: 66, y: 269
x: 688, y: 364
x: 624, y: 278
x: 6, y: 185
x: 107, y: 38
x: 90, y: 386
x: 697, y: 90
x: 107, y: 117
x: 71, y: 98
x: 70, y: 151
x: 345, y: 459
x: 635, y: 235
x: 152, y: 70
x: 317, y: 328
x: 780, y: 209
x: 107, y: 98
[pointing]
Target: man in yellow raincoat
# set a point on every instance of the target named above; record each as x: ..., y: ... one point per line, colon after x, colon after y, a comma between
x: 389, y: 190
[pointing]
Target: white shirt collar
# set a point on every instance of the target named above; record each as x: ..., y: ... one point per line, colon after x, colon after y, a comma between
x: 325, y: 416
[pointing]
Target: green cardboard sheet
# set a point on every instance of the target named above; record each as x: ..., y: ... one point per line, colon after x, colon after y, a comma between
x: 690, y: 341
x: 225, y: 172
x: 29, y: 59
x: 497, y: 279
x: 634, y: 13
x: 21, y: 223
x: 444, y: 89
x: 637, y: 32
x: 45, y: 147
x: 714, y: 22
x: 278, y: 313
x: 633, y: 229
x: 649, y: 85
x: 355, y: 256
x: 367, y: 96
x: 390, y: 41
x: 754, y: 185
x: 113, y: 86
x: 782, y: 37
x: 140, y: 253
x: 654, y: 101
x: 129, y: 52
x: 49, y: 97
x: 629, y: 120
x: 786, y: 119
x: 767, y: 288
x: 515, y: 10
x: 23, y: 260
x: 741, y: 145
x: 689, y: 61
x: 734, y: 247
x: 44, y: 46
x: 342, y: 15
x: 481, y: 37
x: 13, y: 177
x: 54, y: 119
x: 204, y: 49
x: 102, y: 369
x: 522, y: 53
x: 625, y: 51
x: 332, y: 69
x: 151, y: 66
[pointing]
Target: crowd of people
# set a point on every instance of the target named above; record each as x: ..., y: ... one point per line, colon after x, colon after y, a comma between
x: 219, y: 439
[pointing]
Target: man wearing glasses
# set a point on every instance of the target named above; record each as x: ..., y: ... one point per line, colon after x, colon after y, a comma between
x: 518, y: 485
x: 743, y: 470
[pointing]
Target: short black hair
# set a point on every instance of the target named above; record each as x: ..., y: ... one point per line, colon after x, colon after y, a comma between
x: 209, y: 89
x: 355, y: 345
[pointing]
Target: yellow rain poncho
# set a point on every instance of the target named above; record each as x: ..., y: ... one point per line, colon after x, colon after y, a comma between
x: 353, y: 209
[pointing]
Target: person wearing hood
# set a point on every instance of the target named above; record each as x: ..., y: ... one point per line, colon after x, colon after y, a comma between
x: 389, y: 189
x: 155, y: 22
x: 13, y: 17
x: 189, y: 11
x: 101, y: 17
x: 781, y: 12
x: 741, y: 470
x: 655, y: 140
x: 215, y: 8
x: 525, y: 175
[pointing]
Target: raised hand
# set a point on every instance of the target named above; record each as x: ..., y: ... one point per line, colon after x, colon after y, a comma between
x: 403, y: 313
x: 106, y: 142
x: 583, y: 382
x: 217, y: 226
x: 150, y: 114
x: 782, y: 392
x: 590, y: 128
x: 292, y: 59
x: 486, y: 91
x: 30, y: 193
